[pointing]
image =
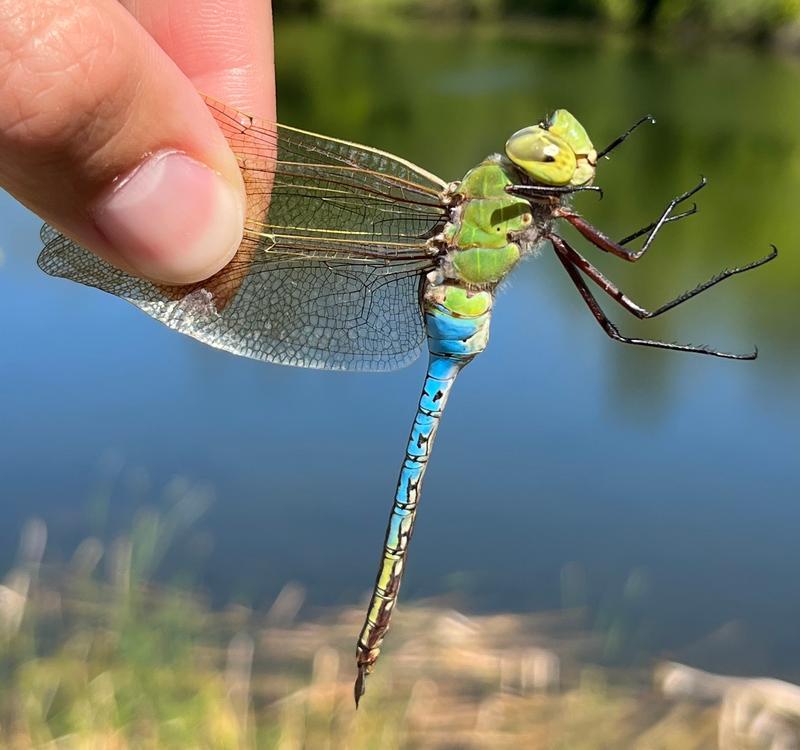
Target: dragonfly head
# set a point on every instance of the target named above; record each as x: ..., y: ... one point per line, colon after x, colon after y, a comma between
x: 557, y: 151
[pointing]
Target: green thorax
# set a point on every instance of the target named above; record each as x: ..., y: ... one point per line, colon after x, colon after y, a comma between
x: 489, y: 229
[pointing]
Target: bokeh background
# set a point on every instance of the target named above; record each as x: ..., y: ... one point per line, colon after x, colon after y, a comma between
x: 642, y: 504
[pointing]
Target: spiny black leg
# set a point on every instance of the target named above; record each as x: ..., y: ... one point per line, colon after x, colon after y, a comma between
x: 613, y: 332
x: 645, y: 230
x: 714, y: 280
x: 665, y: 217
x: 550, y: 191
x: 611, y: 146
x: 563, y: 248
x: 605, y: 243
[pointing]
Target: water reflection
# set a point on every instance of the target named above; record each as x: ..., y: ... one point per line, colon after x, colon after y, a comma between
x: 672, y: 469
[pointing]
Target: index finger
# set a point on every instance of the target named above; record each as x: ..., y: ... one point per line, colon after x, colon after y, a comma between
x: 104, y: 136
x: 223, y: 46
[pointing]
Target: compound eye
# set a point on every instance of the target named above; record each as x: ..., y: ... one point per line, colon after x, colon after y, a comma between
x: 542, y: 155
x: 563, y: 124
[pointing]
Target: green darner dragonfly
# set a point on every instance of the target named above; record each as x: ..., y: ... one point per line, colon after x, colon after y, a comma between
x: 352, y: 257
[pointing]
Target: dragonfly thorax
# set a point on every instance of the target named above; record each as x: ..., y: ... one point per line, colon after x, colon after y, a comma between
x: 488, y: 230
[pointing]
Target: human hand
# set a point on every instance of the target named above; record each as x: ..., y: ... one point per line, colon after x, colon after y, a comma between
x: 104, y: 135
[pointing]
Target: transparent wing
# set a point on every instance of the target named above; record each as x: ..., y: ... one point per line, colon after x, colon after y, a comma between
x: 330, y: 269
x: 326, y: 314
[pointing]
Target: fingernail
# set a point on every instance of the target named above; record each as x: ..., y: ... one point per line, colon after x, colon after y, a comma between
x: 172, y: 219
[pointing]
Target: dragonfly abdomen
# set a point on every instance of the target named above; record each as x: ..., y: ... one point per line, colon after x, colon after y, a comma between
x: 457, y: 322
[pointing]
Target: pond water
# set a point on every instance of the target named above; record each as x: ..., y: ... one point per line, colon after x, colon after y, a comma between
x: 660, y: 488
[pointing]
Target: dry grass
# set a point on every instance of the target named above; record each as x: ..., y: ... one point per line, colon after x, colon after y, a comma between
x: 92, y: 666
x: 95, y: 657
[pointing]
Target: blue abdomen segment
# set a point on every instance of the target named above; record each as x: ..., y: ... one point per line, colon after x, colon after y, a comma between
x: 451, y: 336
x: 453, y: 342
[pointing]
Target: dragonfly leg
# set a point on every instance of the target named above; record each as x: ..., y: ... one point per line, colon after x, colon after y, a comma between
x: 565, y: 250
x: 620, y: 139
x: 644, y: 230
x: 613, y: 332
x: 544, y: 192
x: 605, y: 243
x: 651, y: 230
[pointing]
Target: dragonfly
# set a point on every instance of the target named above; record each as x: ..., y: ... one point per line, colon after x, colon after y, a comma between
x: 353, y: 258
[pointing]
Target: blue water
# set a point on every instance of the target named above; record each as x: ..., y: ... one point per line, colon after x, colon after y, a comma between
x: 560, y: 449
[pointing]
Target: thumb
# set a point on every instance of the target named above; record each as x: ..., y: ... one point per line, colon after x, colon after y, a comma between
x: 103, y: 136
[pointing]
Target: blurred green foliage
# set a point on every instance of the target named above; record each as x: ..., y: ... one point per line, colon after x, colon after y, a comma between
x: 95, y: 656
x: 401, y: 91
x: 751, y: 19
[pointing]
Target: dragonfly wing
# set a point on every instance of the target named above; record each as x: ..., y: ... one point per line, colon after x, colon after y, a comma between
x: 329, y: 272
x: 322, y: 314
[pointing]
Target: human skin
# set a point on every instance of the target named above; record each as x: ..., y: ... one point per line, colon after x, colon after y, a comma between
x: 103, y: 132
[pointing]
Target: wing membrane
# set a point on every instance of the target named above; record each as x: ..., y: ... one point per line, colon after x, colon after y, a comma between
x: 328, y: 274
